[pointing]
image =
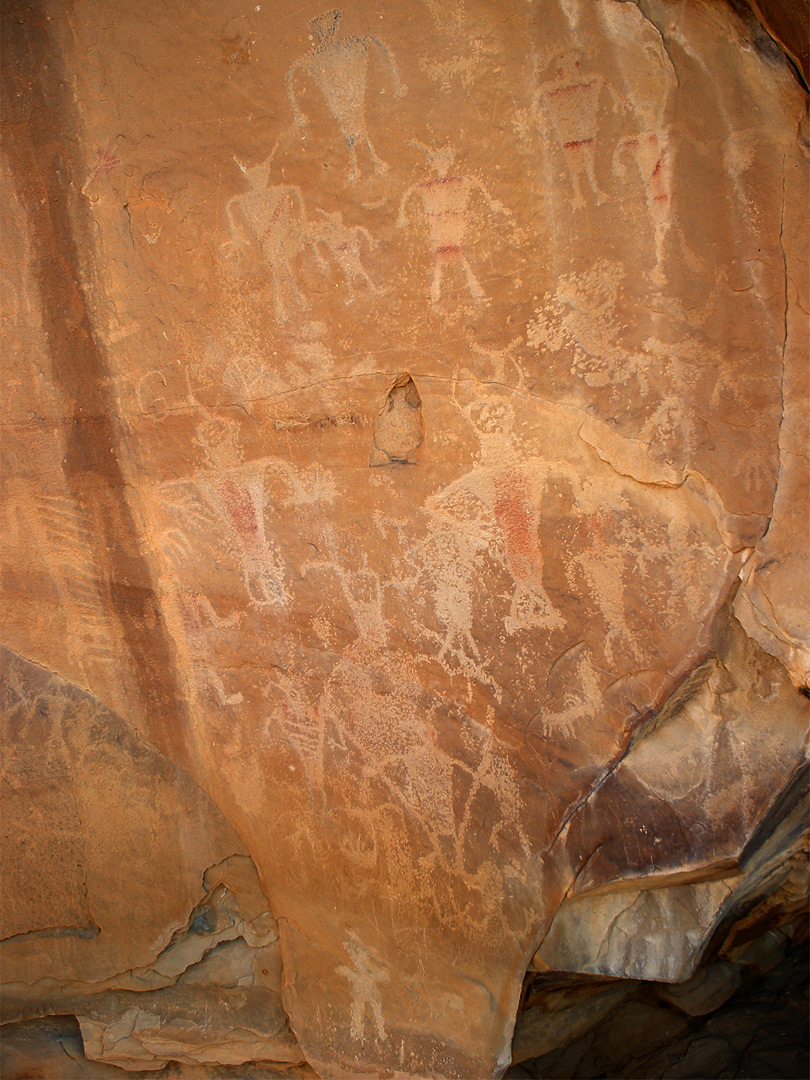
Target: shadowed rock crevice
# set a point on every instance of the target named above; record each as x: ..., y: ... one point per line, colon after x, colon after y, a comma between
x: 399, y: 426
x: 40, y: 146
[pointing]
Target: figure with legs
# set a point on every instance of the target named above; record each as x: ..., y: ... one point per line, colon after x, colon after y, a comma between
x: 339, y: 67
x: 571, y: 103
x: 445, y: 200
x: 273, y: 217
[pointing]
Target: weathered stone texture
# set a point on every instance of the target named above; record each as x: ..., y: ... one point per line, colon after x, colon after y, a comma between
x: 405, y: 573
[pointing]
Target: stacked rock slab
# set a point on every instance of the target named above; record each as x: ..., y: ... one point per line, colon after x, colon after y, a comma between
x: 405, y: 495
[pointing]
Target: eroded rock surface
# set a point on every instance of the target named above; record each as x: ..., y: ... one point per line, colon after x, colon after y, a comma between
x: 405, y: 465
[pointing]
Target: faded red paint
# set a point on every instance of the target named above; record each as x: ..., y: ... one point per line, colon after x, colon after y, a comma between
x: 241, y: 510
x: 515, y: 520
x: 658, y: 177
x: 569, y: 89
x: 443, y: 180
x: 595, y: 525
x: 191, y: 615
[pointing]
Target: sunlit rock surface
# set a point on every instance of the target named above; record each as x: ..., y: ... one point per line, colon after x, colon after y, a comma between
x: 405, y: 572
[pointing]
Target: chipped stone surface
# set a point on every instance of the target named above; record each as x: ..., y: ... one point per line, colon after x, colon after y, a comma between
x: 405, y: 451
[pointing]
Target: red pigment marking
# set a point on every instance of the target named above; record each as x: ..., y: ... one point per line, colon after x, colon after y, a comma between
x: 283, y: 202
x: 595, y: 526
x: 660, y: 198
x: 241, y: 509
x: 191, y: 614
x: 513, y: 517
x: 658, y: 167
x: 449, y: 249
x: 577, y: 143
x: 568, y: 89
x: 442, y: 180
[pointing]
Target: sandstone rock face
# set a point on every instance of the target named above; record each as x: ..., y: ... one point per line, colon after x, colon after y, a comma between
x: 406, y: 496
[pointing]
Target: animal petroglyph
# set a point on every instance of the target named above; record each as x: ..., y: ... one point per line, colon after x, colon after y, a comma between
x: 328, y: 236
x: 339, y: 67
x: 274, y: 218
x: 570, y: 103
x: 398, y: 428
x: 445, y: 200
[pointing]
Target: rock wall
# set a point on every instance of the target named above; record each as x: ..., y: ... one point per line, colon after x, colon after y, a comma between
x: 405, y: 461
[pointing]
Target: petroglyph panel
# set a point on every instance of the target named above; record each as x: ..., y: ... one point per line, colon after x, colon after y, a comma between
x: 399, y: 398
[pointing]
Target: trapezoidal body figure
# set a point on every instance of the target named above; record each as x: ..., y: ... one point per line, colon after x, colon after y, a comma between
x: 445, y: 199
x: 570, y: 104
x: 339, y: 67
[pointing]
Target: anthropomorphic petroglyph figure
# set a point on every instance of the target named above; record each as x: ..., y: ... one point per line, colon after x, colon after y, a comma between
x: 445, y: 202
x: 365, y: 976
x: 363, y: 591
x: 298, y: 722
x: 328, y: 236
x: 198, y: 617
x: 339, y: 67
x: 240, y: 495
x: 581, y: 317
x: 450, y: 16
x: 274, y: 218
x: 571, y: 103
x: 651, y: 152
x: 499, y: 500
